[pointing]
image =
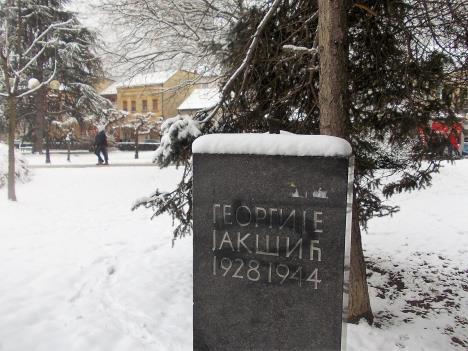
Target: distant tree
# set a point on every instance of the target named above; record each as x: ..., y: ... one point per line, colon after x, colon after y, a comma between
x: 175, y: 33
x: 136, y: 125
x: 72, y: 57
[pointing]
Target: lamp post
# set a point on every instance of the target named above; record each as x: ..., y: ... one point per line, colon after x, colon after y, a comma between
x: 47, y: 159
x: 52, y: 94
x: 137, y: 133
x: 68, y: 140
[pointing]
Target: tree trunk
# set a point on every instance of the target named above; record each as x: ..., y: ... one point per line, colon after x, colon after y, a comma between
x: 47, y: 138
x: 11, y: 115
x: 68, y: 148
x: 136, y: 143
x: 359, y: 303
x: 40, y: 101
x: 333, y: 50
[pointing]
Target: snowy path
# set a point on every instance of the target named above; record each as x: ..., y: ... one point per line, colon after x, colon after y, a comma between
x: 80, y: 271
x: 149, y: 164
x: 83, y: 158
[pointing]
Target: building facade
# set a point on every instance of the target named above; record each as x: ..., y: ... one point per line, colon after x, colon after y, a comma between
x: 156, y: 95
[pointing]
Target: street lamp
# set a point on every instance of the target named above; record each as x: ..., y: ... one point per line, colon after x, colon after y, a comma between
x: 54, y: 86
x: 47, y: 157
x: 68, y: 140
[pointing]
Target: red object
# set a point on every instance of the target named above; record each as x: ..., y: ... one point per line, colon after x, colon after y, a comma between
x: 453, y: 139
x: 440, y: 127
x: 454, y: 136
x: 458, y: 127
x: 444, y: 128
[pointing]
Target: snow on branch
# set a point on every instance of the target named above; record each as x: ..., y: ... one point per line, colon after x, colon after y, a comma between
x: 247, y: 59
x: 37, y: 40
x: 300, y: 49
x: 139, y: 121
x: 67, y: 123
x: 178, y: 203
x: 30, y: 62
x: 178, y: 133
x: 90, y: 98
x: 39, y: 86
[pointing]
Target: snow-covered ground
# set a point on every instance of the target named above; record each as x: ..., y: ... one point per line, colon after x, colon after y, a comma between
x: 418, y: 262
x: 80, y: 271
x: 85, y: 158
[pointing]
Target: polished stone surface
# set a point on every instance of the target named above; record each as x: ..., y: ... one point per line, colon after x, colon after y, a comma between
x: 269, y: 241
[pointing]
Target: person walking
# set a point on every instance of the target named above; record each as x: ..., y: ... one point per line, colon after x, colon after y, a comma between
x: 100, y: 144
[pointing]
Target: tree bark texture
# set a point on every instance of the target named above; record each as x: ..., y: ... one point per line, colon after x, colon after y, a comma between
x: 11, y: 115
x: 333, y: 50
x: 333, y: 103
x: 40, y: 101
x: 136, y: 142
x: 359, y: 303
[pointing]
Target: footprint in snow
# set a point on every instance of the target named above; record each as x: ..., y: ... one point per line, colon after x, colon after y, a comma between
x: 110, y: 270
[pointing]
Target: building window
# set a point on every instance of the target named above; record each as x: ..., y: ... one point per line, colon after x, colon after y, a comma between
x: 144, y: 106
x: 125, y: 106
x: 155, y: 105
x: 133, y: 106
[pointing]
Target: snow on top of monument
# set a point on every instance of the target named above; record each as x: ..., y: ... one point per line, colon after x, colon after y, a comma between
x: 201, y: 98
x: 286, y: 144
x: 145, y: 79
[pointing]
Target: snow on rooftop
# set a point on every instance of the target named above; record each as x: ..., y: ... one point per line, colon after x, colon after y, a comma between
x: 272, y: 144
x: 201, y: 98
x: 110, y: 90
x: 145, y: 79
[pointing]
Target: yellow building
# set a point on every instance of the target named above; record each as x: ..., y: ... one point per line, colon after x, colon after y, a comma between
x: 156, y: 94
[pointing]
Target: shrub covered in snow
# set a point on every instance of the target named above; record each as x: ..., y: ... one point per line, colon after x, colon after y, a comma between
x: 178, y: 133
x: 22, y: 171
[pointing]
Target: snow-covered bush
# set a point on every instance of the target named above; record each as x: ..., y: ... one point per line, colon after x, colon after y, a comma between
x: 22, y: 171
x: 178, y: 133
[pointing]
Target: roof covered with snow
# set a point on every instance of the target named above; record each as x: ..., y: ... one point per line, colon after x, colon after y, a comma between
x: 110, y: 90
x: 201, y: 98
x: 145, y: 79
x: 272, y: 144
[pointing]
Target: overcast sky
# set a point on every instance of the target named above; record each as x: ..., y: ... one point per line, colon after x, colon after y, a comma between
x: 91, y: 17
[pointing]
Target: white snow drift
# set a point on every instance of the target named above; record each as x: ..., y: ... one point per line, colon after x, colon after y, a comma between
x: 80, y: 271
x: 21, y: 166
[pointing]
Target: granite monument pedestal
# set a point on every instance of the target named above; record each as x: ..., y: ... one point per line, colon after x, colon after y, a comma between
x: 270, y: 250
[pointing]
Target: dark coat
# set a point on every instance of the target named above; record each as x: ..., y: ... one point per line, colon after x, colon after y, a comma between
x: 101, y: 139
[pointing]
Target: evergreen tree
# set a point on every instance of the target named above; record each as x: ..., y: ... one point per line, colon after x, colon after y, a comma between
x: 39, y: 41
x: 397, y: 62
x: 72, y: 58
x: 17, y: 56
